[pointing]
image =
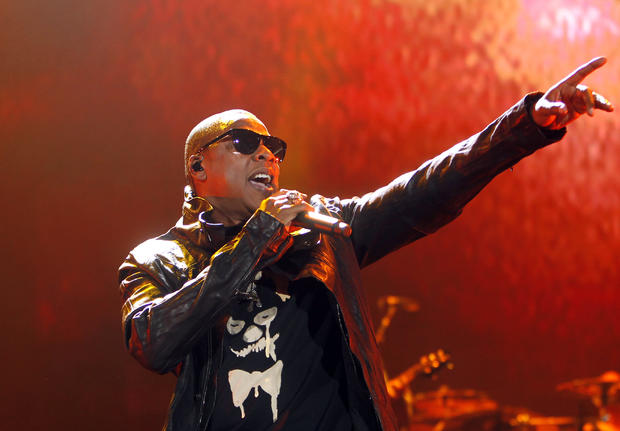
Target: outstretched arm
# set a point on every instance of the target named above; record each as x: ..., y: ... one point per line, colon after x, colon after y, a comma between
x: 420, y: 202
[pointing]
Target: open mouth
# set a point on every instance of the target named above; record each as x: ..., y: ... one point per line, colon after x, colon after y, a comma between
x: 262, y: 181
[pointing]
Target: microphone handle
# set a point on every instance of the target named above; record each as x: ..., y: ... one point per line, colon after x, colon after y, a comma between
x: 316, y: 221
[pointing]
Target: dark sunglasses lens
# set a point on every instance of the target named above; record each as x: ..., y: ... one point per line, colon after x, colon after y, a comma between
x: 276, y: 146
x: 246, y: 142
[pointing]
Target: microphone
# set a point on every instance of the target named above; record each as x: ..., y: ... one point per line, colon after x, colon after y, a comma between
x: 315, y: 221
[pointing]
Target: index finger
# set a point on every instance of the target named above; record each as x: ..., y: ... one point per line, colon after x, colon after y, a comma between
x: 284, y: 192
x: 584, y: 70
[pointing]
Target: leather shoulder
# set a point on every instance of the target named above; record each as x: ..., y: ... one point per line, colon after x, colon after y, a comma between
x: 166, y: 259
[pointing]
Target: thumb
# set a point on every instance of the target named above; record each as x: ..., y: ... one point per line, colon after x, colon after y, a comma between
x: 546, y: 107
x: 545, y: 112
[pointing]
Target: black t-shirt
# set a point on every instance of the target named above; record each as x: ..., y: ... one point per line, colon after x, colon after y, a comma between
x: 282, y: 365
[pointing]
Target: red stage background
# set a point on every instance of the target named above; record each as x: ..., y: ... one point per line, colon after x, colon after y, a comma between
x: 97, y: 98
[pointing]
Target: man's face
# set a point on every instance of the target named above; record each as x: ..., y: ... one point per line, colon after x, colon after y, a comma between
x: 236, y: 183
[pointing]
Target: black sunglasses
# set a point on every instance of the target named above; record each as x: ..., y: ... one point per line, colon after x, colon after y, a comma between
x: 246, y: 142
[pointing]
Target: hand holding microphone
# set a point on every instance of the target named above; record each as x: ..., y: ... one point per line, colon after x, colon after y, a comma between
x: 289, y: 207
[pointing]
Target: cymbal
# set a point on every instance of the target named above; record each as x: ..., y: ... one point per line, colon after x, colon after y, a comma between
x: 607, y: 377
x: 404, y: 302
x: 446, y: 392
x: 592, y: 386
x: 542, y: 421
x: 448, y: 403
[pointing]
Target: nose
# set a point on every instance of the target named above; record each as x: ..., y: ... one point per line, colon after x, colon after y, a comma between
x: 263, y: 153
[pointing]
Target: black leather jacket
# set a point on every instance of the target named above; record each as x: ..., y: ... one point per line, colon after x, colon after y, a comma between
x: 175, y: 287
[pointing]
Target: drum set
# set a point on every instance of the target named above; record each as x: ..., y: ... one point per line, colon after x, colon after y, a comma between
x: 448, y: 409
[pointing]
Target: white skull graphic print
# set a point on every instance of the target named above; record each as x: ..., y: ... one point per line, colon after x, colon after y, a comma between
x: 251, y: 336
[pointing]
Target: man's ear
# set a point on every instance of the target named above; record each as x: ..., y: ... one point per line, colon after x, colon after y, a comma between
x: 196, y: 169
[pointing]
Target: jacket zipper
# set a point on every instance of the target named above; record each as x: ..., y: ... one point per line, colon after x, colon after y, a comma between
x: 206, y: 375
x: 204, y: 389
x: 344, y: 332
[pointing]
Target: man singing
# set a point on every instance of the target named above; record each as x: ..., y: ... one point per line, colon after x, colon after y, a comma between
x: 263, y: 322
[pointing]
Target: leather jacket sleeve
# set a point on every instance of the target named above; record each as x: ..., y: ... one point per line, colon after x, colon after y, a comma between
x: 420, y: 202
x: 166, y: 309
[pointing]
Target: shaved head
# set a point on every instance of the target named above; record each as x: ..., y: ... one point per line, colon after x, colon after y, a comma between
x: 214, y: 126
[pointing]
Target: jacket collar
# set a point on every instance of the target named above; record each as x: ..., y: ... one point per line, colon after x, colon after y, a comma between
x: 189, y: 226
x: 192, y: 206
x: 208, y: 234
